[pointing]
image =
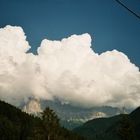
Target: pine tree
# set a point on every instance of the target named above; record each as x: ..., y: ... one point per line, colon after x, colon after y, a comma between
x: 50, y: 123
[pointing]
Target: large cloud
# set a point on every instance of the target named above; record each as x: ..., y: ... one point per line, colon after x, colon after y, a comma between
x: 68, y: 69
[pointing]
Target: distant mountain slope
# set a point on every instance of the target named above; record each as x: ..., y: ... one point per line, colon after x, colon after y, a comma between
x: 74, y: 116
x: 100, y: 129
x: 71, y: 116
x: 113, y: 128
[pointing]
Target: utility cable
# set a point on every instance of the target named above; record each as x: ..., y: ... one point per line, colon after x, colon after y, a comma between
x: 132, y: 12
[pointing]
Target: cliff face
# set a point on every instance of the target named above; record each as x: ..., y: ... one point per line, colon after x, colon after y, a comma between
x: 32, y: 107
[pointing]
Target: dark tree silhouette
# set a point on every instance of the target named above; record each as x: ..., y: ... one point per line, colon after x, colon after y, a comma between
x: 50, y: 123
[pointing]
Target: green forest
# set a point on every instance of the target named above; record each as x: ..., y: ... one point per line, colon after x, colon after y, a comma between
x: 18, y: 125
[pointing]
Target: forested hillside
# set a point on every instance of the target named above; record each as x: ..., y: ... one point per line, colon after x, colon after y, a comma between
x: 120, y: 127
x: 17, y: 125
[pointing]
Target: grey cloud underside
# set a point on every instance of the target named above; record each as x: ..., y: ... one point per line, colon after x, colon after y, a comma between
x: 68, y: 70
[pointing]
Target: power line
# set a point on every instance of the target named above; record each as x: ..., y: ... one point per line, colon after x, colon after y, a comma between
x: 132, y: 12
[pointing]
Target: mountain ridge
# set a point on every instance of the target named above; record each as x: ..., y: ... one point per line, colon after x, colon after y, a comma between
x: 73, y: 116
x: 114, y: 127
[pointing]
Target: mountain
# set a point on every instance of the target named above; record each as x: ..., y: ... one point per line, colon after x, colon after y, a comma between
x: 99, y: 128
x: 119, y: 127
x: 71, y: 116
x: 32, y: 107
x: 18, y: 125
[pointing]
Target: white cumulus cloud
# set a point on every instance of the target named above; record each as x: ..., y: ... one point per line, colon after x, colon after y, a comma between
x: 68, y: 70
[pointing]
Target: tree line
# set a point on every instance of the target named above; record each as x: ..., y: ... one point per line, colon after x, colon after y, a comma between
x: 18, y: 125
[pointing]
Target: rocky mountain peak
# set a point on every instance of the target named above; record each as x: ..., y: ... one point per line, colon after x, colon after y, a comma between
x: 32, y: 106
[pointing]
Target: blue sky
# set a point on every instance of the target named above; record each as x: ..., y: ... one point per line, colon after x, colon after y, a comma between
x: 110, y: 25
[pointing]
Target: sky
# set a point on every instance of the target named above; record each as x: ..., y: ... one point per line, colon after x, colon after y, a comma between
x: 90, y: 64
x: 109, y: 24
